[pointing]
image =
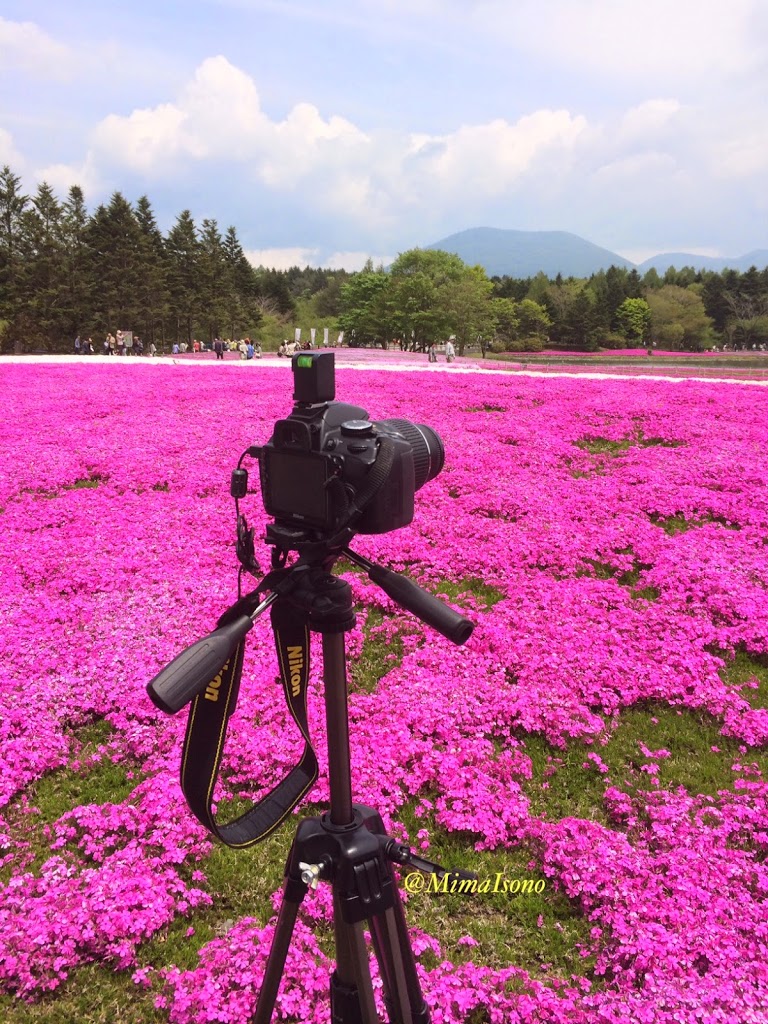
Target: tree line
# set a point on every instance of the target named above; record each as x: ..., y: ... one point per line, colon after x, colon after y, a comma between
x: 65, y: 272
x: 428, y: 294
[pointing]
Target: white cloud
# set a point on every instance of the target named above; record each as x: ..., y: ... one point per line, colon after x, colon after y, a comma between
x: 641, y: 255
x: 638, y: 167
x: 493, y: 157
x: 8, y: 152
x: 743, y: 157
x: 355, y: 260
x: 147, y: 140
x: 25, y: 47
x: 61, y: 177
x: 658, y: 40
x: 603, y: 175
x: 217, y: 116
x: 295, y: 146
x: 282, y: 259
x: 648, y: 120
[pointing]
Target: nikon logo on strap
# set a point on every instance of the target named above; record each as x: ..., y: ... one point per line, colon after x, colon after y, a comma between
x: 212, y: 690
x: 295, y: 665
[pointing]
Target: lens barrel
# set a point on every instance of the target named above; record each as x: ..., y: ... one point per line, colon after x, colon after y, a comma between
x: 428, y: 450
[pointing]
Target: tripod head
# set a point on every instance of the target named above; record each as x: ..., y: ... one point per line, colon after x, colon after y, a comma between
x: 191, y: 671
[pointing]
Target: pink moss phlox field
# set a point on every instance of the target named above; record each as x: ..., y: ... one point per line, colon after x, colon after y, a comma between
x: 621, y: 528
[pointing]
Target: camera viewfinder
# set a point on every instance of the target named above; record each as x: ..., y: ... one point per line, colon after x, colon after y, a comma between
x: 313, y: 377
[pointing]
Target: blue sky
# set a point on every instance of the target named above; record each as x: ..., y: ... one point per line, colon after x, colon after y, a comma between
x: 333, y: 130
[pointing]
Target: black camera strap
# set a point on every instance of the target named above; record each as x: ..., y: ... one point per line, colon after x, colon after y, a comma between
x: 207, y: 724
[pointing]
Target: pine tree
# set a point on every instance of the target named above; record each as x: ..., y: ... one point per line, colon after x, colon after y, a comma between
x: 153, y: 293
x: 114, y: 241
x: 242, y: 313
x: 77, y: 301
x: 12, y: 206
x: 273, y: 290
x: 610, y: 288
x: 43, y: 278
x: 215, y: 285
x: 183, y: 250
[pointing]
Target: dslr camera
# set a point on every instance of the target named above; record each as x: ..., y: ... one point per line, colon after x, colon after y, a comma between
x: 328, y: 467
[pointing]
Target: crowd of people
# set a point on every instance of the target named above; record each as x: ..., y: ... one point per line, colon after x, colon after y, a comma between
x: 125, y: 343
x: 290, y: 348
x: 121, y: 343
x: 247, y: 348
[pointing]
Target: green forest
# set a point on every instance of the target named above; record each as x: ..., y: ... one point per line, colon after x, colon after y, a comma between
x: 67, y: 272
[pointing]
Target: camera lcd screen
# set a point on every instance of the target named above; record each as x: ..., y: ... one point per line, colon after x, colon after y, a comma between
x: 296, y: 485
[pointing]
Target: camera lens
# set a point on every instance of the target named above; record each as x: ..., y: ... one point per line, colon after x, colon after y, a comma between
x: 428, y: 450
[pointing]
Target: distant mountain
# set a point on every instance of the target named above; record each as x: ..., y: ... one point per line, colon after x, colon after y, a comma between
x: 757, y: 258
x: 526, y: 253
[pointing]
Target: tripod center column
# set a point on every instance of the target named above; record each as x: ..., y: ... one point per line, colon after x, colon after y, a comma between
x: 337, y: 724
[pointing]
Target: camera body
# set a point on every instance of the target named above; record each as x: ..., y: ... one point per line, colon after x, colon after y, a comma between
x: 326, y: 456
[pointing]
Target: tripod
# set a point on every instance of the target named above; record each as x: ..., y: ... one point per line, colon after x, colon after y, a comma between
x: 347, y: 846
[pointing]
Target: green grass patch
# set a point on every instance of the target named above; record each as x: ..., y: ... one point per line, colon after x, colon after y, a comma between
x: 571, y: 791
x: 746, y: 668
x: 92, y: 995
x: 94, y: 783
x: 454, y: 591
x: 485, y: 407
x: 90, y: 481
x: 382, y: 651
x: 645, y: 593
x: 605, y: 446
x: 689, y: 736
x: 672, y: 525
x: 628, y: 578
x: 60, y: 791
x: 240, y: 883
x: 602, y: 445
x: 504, y: 925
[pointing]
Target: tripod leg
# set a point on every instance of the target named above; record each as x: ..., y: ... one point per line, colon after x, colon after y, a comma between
x: 402, y: 988
x: 352, y: 999
x: 394, y: 952
x: 294, y: 892
x: 386, y: 943
x: 421, y: 1013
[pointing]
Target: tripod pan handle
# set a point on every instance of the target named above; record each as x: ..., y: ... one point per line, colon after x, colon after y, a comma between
x: 427, y: 607
x: 191, y: 671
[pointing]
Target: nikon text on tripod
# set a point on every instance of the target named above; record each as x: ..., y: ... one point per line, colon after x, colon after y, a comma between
x: 327, y: 473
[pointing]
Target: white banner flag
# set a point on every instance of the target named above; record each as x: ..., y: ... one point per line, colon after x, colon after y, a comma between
x: 312, y: 333
x: 325, y: 337
x: 297, y: 334
x: 341, y: 338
